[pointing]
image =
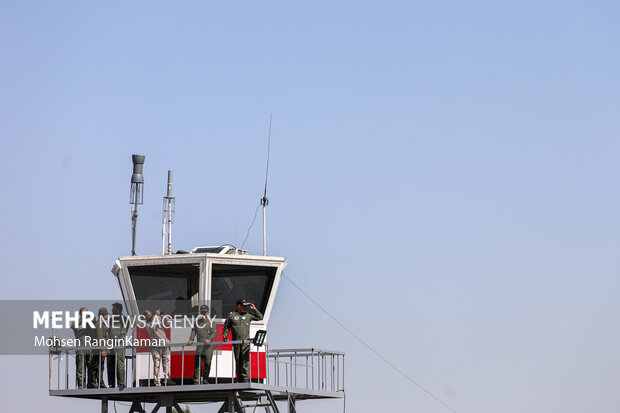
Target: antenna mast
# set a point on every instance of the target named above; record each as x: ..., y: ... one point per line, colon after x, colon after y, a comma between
x: 168, y: 218
x: 264, y: 201
x: 136, y: 195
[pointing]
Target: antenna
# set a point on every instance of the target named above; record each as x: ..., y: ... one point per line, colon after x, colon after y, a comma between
x: 136, y: 195
x: 168, y: 217
x: 264, y: 201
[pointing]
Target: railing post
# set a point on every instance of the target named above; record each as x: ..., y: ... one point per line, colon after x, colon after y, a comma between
x: 134, y: 362
x: 66, y: 371
x: 343, y: 369
x: 257, y: 364
x: 267, y: 364
x: 333, y: 379
x: 312, y: 358
x: 99, y: 375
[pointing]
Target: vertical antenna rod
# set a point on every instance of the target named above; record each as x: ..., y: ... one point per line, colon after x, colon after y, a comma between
x: 136, y: 195
x: 168, y: 217
x: 264, y: 201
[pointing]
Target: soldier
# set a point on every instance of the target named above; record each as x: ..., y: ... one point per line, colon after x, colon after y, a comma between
x: 239, y: 323
x: 204, y: 332
x: 97, y: 358
x: 82, y: 358
x: 116, y: 358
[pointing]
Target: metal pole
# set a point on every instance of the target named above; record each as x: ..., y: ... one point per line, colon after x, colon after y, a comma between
x: 167, y: 216
x: 264, y: 201
x: 169, y: 226
x: 338, y: 372
x: 182, y: 364
x: 332, y: 375
x: 134, y: 362
x: 148, y: 366
x: 343, y: 372
x: 134, y: 219
x: 266, y: 363
x: 258, y: 363
x: 312, y: 370
x: 163, y: 235
x: 135, y: 197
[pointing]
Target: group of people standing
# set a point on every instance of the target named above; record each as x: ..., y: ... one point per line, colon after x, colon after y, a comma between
x: 237, y: 324
x: 89, y: 364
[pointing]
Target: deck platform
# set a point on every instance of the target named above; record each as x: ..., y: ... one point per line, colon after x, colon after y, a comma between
x: 196, y: 393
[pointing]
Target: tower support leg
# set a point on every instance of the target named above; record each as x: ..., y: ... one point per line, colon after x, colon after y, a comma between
x: 272, y: 401
x: 136, y: 407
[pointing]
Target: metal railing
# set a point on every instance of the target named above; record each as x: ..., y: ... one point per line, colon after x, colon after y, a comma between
x: 306, y: 368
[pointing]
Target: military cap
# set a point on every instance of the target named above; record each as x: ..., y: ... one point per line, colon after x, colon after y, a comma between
x: 204, y: 308
x: 103, y: 311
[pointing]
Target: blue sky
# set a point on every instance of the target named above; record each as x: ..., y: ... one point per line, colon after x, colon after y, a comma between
x: 443, y: 179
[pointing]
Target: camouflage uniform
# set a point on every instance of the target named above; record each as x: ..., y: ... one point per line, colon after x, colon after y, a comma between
x: 204, y: 351
x: 97, y: 358
x: 239, y: 324
x: 82, y: 358
x: 116, y: 358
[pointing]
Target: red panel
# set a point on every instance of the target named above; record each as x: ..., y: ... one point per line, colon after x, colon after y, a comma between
x: 219, y: 336
x: 176, y: 363
x: 142, y: 335
x: 257, y: 360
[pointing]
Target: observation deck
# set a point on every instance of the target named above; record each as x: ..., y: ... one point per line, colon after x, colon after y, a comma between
x: 288, y: 375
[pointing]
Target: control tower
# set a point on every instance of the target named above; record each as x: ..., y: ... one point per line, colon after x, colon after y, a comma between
x: 178, y: 284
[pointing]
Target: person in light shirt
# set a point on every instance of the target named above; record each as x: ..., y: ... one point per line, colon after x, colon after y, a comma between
x: 160, y: 354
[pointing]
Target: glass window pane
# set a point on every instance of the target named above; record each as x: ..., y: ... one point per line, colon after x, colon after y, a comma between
x: 230, y: 283
x: 171, y: 288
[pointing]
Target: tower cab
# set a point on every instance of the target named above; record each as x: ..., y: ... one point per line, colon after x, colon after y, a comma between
x: 179, y: 284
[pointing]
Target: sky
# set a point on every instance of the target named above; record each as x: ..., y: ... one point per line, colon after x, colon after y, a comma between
x: 443, y: 179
